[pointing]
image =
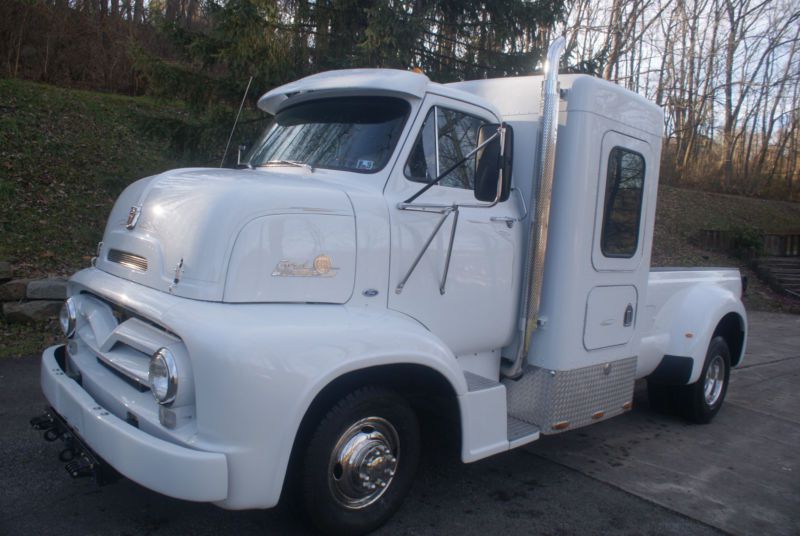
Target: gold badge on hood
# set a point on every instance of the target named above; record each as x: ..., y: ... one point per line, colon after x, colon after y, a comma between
x: 322, y: 266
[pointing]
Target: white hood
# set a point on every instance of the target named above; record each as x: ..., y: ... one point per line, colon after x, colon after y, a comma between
x: 193, y: 224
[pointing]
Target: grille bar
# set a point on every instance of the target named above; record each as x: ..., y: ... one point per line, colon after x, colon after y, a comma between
x: 124, y: 376
x: 129, y: 260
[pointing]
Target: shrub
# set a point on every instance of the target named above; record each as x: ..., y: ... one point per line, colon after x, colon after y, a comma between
x: 746, y: 242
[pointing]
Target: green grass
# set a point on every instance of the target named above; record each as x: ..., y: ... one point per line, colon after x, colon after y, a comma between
x: 19, y: 340
x: 65, y: 155
x: 681, y: 213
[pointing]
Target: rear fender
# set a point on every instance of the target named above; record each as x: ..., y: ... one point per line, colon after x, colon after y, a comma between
x: 693, y: 316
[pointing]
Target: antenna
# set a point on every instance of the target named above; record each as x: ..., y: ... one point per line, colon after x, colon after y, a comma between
x: 228, y: 145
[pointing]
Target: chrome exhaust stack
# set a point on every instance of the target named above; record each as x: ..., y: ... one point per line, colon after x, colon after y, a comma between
x: 537, y: 234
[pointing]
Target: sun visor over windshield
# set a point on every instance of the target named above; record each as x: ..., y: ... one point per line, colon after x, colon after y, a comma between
x: 390, y: 80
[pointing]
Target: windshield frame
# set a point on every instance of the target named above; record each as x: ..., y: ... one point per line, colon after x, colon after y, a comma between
x: 395, y: 142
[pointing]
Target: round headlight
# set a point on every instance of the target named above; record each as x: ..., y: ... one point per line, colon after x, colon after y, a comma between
x: 68, y: 317
x: 163, y: 376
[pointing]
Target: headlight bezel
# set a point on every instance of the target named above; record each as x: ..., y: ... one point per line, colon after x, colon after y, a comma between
x: 68, y: 317
x: 165, y: 359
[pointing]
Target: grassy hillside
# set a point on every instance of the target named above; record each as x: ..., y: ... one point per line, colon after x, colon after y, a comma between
x: 681, y: 213
x: 65, y: 155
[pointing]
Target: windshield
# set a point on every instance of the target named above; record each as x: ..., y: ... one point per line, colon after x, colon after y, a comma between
x: 350, y: 133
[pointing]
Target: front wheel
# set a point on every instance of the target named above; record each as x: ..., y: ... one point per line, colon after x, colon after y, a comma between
x: 360, y: 462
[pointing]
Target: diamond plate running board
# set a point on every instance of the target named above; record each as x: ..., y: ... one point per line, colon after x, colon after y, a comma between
x: 560, y: 400
x: 521, y: 433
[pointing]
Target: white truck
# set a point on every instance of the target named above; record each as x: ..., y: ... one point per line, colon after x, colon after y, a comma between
x: 389, y: 247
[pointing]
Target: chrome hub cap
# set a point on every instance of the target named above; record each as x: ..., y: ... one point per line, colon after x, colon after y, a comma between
x: 363, y: 462
x: 714, y: 380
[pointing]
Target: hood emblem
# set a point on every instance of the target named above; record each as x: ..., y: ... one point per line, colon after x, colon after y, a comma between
x: 133, y: 217
x: 321, y: 266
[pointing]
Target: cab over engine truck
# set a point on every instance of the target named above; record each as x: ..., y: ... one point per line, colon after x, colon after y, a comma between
x: 388, y: 240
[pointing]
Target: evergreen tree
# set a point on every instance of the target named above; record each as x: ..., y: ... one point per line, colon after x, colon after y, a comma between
x: 279, y: 40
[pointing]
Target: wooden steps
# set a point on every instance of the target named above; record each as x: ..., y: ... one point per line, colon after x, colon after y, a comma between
x: 782, y: 273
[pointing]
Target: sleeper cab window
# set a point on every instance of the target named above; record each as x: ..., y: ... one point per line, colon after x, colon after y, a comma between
x: 445, y: 138
x: 622, y: 212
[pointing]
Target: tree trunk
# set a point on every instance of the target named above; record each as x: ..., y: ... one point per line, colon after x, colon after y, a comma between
x: 727, y: 129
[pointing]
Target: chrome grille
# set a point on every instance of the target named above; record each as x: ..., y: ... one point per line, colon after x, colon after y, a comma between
x: 129, y: 260
x: 123, y: 313
x: 121, y: 340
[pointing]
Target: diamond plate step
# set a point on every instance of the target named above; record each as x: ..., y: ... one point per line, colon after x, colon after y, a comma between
x: 476, y: 382
x: 521, y: 432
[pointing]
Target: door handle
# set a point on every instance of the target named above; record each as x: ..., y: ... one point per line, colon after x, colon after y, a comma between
x: 504, y: 219
x: 628, y: 318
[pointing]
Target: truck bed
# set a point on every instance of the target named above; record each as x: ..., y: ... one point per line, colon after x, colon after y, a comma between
x: 671, y: 293
x: 674, y: 278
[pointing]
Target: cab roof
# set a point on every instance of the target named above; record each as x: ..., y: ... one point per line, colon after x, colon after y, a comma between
x: 513, y: 97
x: 406, y: 83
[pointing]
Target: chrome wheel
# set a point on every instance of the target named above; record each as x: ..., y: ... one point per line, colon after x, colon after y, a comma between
x: 363, y: 462
x: 714, y: 380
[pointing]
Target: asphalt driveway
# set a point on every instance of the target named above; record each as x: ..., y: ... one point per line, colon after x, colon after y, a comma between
x: 640, y: 473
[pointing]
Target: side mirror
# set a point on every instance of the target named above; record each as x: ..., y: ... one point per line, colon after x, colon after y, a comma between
x: 242, y: 149
x: 492, y: 166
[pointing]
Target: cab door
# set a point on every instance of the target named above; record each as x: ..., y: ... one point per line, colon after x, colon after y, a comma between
x: 619, y: 248
x: 473, y: 310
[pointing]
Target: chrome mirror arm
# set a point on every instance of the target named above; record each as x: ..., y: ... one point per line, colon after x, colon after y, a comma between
x: 524, y: 205
x: 445, y: 213
x: 449, y: 251
x: 425, y: 207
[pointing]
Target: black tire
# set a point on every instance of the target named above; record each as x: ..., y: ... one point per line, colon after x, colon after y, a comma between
x: 689, y: 401
x: 696, y: 406
x: 336, y: 496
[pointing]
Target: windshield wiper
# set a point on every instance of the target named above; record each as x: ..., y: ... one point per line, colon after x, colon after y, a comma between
x: 295, y: 163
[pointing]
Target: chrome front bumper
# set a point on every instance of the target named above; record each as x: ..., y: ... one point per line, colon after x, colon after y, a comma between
x: 156, y: 464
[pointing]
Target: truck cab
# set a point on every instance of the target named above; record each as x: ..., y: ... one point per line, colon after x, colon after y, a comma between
x: 390, y: 245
